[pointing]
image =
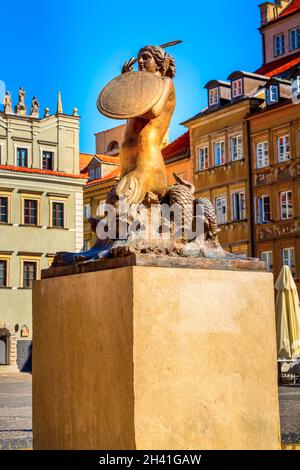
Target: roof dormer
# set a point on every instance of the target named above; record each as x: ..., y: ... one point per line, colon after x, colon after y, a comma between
x: 277, y: 90
x: 94, y: 169
x: 219, y: 93
x: 244, y: 84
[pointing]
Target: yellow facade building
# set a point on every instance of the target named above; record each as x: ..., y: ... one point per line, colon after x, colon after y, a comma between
x: 220, y: 155
x: 41, y: 200
x: 275, y: 159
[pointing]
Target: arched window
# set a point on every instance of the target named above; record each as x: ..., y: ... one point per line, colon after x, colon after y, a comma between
x: 24, y: 331
x: 114, y: 145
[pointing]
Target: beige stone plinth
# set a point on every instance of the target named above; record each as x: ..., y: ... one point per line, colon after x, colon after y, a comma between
x: 155, y: 358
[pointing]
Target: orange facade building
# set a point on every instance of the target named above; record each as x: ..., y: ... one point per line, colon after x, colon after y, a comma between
x: 275, y: 153
x: 220, y: 153
x: 245, y: 147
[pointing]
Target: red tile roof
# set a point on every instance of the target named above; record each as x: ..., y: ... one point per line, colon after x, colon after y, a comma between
x: 108, y: 158
x: 115, y: 173
x: 177, y: 147
x: 279, y: 66
x: 22, y: 169
x: 84, y: 160
x: 291, y: 8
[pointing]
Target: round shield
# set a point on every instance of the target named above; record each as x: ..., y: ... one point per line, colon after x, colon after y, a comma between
x: 130, y: 95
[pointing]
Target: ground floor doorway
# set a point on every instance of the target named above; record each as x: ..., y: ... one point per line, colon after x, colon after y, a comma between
x: 3, y: 351
x: 8, y: 345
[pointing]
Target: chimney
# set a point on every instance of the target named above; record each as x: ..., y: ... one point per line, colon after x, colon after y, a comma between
x: 268, y: 12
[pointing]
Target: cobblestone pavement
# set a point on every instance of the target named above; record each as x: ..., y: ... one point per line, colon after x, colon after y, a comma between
x: 16, y: 424
x: 289, y: 398
x: 15, y: 411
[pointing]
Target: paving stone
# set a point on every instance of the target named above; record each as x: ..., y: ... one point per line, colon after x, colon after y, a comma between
x: 16, y: 420
x: 14, y: 444
x: 15, y: 411
x: 289, y: 399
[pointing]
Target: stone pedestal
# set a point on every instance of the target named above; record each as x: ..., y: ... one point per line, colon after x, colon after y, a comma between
x: 143, y: 357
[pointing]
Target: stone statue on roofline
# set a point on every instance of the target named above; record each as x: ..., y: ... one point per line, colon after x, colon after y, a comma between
x: 7, y: 102
x: 35, y: 107
x: 20, y: 108
x: 137, y: 217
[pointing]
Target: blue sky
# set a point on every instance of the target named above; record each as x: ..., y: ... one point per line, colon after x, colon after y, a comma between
x: 76, y: 47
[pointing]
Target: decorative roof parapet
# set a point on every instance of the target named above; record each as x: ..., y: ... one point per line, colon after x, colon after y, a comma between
x: 20, y: 109
x: 59, y: 109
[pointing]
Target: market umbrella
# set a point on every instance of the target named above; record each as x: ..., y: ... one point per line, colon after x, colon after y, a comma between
x: 287, y: 316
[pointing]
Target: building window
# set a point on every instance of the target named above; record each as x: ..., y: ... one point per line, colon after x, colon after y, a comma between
x: 294, y: 39
x: 279, y: 47
x: 236, y: 148
x: 58, y: 209
x: 22, y: 157
x: 262, y: 155
x: 95, y: 173
x: 272, y: 94
x: 3, y: 210
x: 112, y: 146
x: 29, y: 273
x: 213, y: 96
x: 288, y: 259
x: 202, y: 158
x: 283, y: 148
x: 24, y: 331
x: 3, y: 273
x: 286, y: 205
x: 238, y: 206
x: 263, y: 210
x: 30, y: 211
x: 237, y: 88
x: 87, y: 211
x: 267, y: 257
x: 219, y: 153
x: 221, y: 210
x: 48, y: 158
